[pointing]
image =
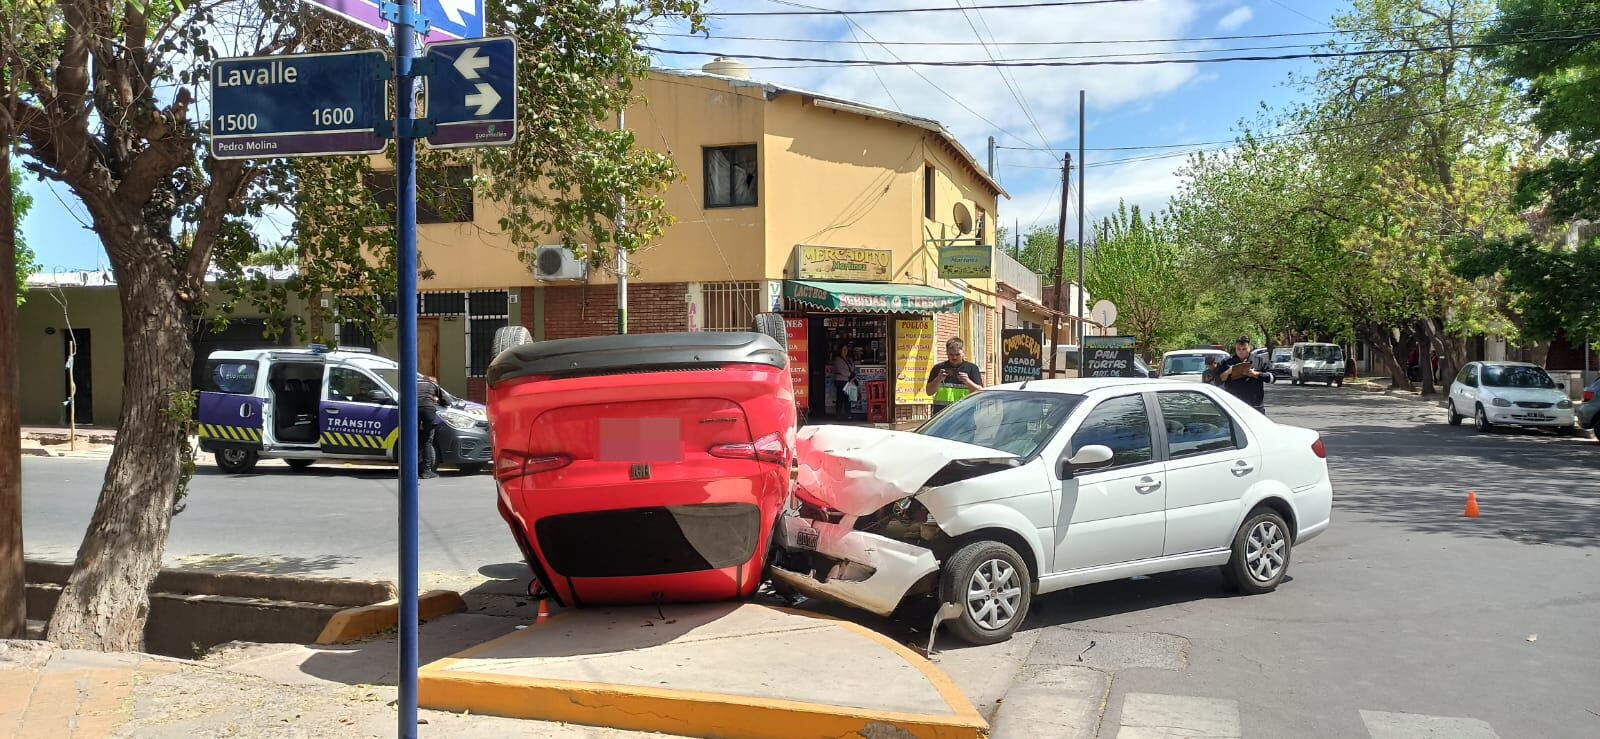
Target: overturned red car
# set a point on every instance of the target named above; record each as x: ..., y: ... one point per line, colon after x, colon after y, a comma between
x: 644, y: 468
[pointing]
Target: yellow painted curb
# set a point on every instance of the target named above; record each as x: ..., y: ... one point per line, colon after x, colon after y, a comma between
x: 354, y: 624
x: 689, y: 712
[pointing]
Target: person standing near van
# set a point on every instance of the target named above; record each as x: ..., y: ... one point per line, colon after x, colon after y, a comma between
x: 954, y: 378
x: 428, y: 400
x: 844, y: 373
x: 1247, y: 384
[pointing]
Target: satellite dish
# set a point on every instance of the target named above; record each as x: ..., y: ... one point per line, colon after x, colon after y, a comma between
x: 963, y: 218
x: 1103, y: 313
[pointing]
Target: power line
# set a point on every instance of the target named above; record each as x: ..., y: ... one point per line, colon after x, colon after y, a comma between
x: 891, y: 11
x: 1290, y: 134
x: 1092, y: 42
x: 1110, y: 62
x: 1011, y: 85
x: 958, y: 101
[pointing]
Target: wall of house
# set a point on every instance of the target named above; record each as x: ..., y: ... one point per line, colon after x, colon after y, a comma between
x: 41, y: 351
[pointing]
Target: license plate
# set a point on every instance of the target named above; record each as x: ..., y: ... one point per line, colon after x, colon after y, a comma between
x: 639, y: 440
x: 807, y: 538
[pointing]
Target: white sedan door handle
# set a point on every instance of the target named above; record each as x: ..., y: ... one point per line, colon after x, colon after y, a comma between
x: 1147, y: 485
x: 1242, y: 468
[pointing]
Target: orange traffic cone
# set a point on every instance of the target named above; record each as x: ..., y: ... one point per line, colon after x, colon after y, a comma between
x: 1472, y: 505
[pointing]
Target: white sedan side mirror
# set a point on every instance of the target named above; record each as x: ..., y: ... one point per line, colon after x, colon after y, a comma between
x: 1087, y: 458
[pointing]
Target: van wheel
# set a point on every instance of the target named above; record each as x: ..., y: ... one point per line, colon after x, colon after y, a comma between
x: 299, y: 464
x: 772, y: 325
x: 508, y: 337
x: 237, y: 460
x: 1260, y: 554
x: 1339, y: 382
x: 992, y: 584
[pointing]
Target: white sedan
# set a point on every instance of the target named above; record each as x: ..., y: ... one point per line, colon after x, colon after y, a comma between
x: 1509, y: 394
x: 1029, y: 488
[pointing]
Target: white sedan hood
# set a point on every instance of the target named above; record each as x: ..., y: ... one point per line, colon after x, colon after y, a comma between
x: 856, y: 470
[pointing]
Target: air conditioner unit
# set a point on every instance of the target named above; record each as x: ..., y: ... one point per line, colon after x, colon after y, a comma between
x: 558, y: 263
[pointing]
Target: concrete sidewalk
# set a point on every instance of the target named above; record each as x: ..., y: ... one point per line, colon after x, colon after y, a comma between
x: 54, y: 694
x: 720, y: 669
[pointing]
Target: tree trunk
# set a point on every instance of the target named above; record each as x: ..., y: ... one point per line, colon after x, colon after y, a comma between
x: 13, y: 588
x: 106, y: 601
x: 1426, y: 335
x: 1386, y: 346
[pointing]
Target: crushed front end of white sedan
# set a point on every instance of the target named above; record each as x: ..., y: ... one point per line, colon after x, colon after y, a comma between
x: 863, y: 532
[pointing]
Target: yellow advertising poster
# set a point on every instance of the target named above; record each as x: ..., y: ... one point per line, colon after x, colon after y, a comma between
x: 833, y: 263
x: 913, y: 360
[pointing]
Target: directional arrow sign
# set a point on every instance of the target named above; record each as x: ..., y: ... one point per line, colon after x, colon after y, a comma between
x: 449, y: 19
x: 472, y: 93
x: 300, y: 105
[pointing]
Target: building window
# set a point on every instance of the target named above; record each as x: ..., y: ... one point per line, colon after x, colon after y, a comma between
x: 730, y: 306
x: 442, y: 304
x: 443, y: 195
x: 731, y: 176
x: 487, y: 312
x: 356, y: 334
x: 927, y: 191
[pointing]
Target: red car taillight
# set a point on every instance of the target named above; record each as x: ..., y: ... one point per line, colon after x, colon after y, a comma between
x: 768, y: 448
x: 511, y: 464
x: 1588, y: 395
x: 1318, y: 449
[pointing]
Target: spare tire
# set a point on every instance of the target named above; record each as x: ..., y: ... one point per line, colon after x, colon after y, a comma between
x: 772, y: 325
x: 510, y: 337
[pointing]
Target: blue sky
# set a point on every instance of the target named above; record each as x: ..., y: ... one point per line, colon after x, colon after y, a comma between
x: 1127, y: 106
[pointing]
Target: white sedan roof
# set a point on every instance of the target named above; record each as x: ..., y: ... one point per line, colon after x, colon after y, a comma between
x: 1086, y: 385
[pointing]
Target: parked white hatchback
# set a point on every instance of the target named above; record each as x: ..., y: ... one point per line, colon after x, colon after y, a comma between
x: 1029, y: 488
x: 1509, y: 394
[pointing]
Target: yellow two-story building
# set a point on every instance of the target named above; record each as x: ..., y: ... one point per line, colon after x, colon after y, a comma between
x: 833, y: 212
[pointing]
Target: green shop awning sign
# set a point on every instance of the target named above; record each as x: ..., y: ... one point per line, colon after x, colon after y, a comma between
x: 872, y: 298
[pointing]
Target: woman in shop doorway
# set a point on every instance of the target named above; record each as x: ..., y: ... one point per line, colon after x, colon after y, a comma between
x: 844, y: 375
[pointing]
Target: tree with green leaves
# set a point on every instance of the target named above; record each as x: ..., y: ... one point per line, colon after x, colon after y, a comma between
x: 1550, y: 270
x: 104, y: 101
x: 1137, y: 264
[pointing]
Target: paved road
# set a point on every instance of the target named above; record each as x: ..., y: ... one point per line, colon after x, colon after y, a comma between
x: 1404, y: 619
x: 334, y: 521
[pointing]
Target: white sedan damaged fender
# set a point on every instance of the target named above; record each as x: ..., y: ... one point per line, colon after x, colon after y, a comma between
x: 854, y: 472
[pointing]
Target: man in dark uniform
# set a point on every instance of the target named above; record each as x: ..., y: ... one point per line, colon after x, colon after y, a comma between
x: 954, y: 378
x: 428, y: 400
x: 1248, y: 382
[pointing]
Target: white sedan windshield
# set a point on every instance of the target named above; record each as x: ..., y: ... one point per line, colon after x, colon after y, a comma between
x: 1009, y: 421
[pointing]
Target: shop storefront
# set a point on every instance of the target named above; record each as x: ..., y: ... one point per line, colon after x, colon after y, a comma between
x: 884, y: 330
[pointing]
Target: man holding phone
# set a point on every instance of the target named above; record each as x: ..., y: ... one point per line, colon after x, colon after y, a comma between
x: 953, y: 379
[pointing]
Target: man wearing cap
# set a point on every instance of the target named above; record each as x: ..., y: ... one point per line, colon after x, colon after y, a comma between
x: 1248, y: 381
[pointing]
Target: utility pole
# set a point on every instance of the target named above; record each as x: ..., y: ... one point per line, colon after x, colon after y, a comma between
x: 1016, y: 237
x: 1061, y: 249
x: 1080, y: 234
x: 405, y: 22
x: 622, y: 254
x: 991, y: 157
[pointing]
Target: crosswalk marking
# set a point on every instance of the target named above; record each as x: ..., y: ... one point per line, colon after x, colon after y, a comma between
x: 1386, y: 725
x: 1151, y: 715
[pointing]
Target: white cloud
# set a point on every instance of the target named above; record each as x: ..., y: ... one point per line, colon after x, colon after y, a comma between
x: 1240, y: 16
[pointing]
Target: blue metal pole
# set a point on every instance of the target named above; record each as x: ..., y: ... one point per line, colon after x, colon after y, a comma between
x: 406, y: 248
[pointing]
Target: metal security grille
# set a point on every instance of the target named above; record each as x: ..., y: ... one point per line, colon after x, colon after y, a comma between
x: 488, y: 312
x: 731, y: 306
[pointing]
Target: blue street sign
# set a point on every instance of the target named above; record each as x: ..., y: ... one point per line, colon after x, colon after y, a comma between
x: 472, y: 93
x: 448, y: 19
x: 299, y: 105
